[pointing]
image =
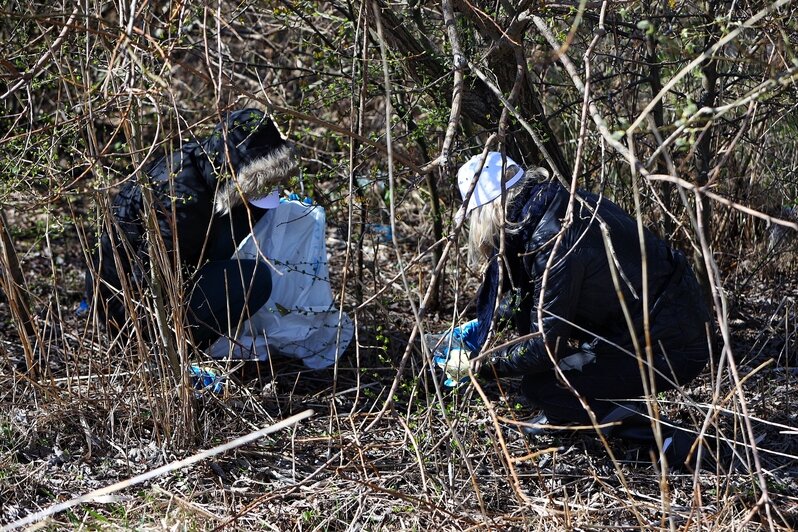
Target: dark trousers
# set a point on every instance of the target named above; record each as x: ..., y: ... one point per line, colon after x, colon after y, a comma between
x: 610, y: 378
x: 224, y: 294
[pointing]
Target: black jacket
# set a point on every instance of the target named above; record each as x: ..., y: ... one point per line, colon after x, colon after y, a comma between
x: 579, y: 299
x: 197, y: 198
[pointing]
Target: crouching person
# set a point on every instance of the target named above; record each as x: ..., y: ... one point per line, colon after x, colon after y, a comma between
x: 573, y: 279
x: 188, y: 216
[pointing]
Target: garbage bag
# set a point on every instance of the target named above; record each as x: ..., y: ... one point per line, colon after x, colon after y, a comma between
x: 300, y: 318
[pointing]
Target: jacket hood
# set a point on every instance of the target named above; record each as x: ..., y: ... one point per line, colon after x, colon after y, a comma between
x: 249, y: 141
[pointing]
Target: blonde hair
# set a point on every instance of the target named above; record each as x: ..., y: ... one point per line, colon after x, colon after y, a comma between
x: 486, y: 222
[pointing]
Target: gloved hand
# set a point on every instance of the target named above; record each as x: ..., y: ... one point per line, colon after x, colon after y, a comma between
x: 454, y: 363
x: 83, y: 308
x: 293, y: 196
x: 467, y: 333
x: 452, y: 352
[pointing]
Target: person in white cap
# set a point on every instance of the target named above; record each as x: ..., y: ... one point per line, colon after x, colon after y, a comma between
x: 580, y: 278
x: 206, y: 197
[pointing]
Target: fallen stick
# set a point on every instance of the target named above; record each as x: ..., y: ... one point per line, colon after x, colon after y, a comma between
x: 93, y: 495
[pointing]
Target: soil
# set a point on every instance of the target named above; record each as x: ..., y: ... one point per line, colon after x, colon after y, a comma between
x: 98, y: 412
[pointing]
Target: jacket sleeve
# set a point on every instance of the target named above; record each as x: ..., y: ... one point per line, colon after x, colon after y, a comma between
x: 514, y: 312
x: 120, y: 254
x: 560, y: 302
x: 183, y: 204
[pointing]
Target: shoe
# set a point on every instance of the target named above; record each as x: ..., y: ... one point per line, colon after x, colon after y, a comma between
x: 628, y: 421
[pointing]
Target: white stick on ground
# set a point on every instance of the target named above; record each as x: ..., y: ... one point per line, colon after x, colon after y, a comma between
x: 93, y: 495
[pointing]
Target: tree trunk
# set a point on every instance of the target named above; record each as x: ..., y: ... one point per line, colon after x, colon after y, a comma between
x: 480, y: 104
x: 704, y: 158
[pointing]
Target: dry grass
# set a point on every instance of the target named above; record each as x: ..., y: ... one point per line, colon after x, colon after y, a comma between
x: 97, y: 415
x: 85, y: 95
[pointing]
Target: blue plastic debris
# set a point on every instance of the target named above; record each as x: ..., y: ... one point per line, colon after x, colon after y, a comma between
x: 205, y: 378
x: 383, y: 232
x: 83, y: 308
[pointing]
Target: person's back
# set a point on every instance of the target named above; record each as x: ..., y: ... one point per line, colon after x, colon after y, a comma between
x: 197, y: 195
x: 601, y: 245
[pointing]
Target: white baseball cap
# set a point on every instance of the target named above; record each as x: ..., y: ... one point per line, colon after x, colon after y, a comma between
x: 489, y: 184
x: 269, y: 201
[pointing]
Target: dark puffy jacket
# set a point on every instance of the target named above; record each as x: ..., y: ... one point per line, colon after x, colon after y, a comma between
x: 197, y: 195
x: 580, y: 301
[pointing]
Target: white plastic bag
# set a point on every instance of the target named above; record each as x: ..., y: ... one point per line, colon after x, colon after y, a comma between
x: 300, y: 319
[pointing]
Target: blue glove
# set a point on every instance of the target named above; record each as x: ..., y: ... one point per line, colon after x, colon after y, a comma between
x: 451, y: 383
x: 205, y: 378
x: 83, y: 308
x: 462, y: 338
x: 467, y: 333
x: 439, y: 344
x: 293, y: 196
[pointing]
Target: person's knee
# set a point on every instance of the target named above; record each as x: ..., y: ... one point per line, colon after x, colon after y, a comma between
x: 226, y: 292
x: 531, y: 387
x: 558, y: 402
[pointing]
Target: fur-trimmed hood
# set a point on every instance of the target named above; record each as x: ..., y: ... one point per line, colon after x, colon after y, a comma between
x: 256, y: 178
x: 250, y: 143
